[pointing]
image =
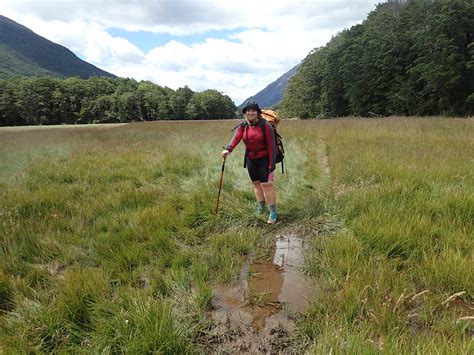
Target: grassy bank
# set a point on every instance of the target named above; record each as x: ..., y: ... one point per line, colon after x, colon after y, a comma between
x: 110, y: 244
x: 400, y: 275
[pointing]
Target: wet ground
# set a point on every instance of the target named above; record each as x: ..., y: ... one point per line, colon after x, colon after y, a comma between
x: 258, y: 312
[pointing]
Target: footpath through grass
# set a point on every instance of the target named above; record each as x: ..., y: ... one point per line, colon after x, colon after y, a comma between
x: 109, y: 242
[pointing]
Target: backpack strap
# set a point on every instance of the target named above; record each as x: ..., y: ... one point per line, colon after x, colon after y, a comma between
x: 246, y: 130
x: 240, y: 124
x: 261, y: 123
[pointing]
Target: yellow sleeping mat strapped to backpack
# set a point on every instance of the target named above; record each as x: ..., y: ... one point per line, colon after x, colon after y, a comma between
x: 271, y: 116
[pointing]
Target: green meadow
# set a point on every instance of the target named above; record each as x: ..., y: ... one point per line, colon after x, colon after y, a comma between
x: 109, y: 241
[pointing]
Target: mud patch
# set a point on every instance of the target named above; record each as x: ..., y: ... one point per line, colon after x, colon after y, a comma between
x: 258, y: 312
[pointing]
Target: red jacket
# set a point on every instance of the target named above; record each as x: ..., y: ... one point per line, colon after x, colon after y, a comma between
x: 252, y: 135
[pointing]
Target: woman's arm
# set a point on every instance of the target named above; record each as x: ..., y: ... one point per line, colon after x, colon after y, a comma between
x: 237, y: 137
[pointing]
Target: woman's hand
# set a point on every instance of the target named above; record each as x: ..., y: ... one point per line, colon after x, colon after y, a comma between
x: 225, y: 153
x: 271, y: 176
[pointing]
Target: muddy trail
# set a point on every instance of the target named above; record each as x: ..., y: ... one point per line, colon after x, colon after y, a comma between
x: 257, y: 313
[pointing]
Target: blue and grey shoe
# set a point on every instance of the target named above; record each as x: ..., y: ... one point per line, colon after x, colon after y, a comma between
x: 260, y: 207
x: 272, y: 218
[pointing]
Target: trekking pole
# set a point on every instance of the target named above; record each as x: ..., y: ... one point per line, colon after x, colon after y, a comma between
x: 220, y: 185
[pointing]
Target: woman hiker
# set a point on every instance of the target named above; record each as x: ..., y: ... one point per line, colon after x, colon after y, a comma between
x: 259, y: 157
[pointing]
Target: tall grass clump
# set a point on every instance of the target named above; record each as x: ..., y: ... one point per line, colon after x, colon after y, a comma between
x: 401, y: 270
x: 112, y: 245
x: 137, y: 323
x: 6, y: 292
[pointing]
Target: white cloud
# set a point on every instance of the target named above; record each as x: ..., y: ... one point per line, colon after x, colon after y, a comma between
x: 271, y: 37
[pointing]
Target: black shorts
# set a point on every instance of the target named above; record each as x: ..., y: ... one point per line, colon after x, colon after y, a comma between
x: 258, y: 169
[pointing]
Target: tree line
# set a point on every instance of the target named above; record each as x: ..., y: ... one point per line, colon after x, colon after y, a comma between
x: 411, y: 57
x: 48, y: 100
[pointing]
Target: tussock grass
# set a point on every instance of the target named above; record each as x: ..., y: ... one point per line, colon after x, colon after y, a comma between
x: 118, y: 227
x: 6, y: 292
x: 109, y: 242
x: 405, y: 191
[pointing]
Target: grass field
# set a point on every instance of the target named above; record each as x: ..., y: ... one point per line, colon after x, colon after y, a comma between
x: 109, y: 242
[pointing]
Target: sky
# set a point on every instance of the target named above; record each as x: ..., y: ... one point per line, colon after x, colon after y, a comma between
x: 235, y: 47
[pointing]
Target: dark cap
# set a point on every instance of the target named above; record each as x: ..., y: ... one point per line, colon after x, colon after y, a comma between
x: 251, y: 105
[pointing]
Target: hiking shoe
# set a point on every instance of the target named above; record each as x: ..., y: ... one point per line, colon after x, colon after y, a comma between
x: 272, y: 218
x: 258, y: 211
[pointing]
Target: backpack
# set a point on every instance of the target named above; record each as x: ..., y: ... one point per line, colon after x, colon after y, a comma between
x: 274, y: 118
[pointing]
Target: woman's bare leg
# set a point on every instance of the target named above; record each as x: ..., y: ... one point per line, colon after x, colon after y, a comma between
x: 257, y: 189
x: 268, y: 193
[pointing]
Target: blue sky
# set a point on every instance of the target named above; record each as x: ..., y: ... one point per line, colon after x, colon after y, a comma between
x: 146, y: 41
x: 236, y: 47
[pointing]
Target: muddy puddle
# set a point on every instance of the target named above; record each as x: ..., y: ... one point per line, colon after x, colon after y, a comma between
x: 266, y: 298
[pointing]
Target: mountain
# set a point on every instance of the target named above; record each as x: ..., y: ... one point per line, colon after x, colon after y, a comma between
x: 273, y: 93
x: 24, y: 53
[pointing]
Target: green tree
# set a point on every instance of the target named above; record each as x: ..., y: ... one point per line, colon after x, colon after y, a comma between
x: 179, y: 100
x: 9, y: 109
x: 303, y: 92
x: 100, y: 110
x: 210, y: 105
x: 333, y: 100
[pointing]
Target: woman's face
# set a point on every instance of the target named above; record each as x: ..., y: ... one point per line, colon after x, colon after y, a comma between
x: 251, y: 114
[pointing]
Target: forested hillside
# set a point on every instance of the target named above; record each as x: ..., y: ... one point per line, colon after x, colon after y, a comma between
x: 33, y: 89
x: 406, y: 58
x: 30, y: 101
x: 24, y: 53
